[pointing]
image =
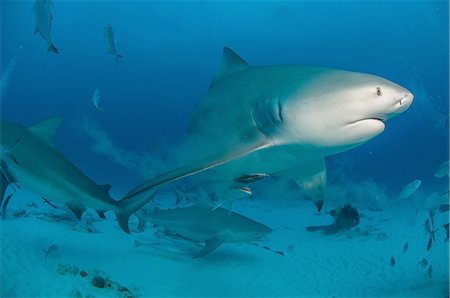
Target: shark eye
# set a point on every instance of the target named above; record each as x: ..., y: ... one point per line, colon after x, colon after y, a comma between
x: 379, y: 91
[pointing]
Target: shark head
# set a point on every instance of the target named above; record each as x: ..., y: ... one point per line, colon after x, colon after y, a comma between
x: 340, y: 109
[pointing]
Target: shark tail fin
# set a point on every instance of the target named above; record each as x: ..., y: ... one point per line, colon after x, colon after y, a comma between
x: 128, y: 206
x: 52, y: 48
x: 117, y: 58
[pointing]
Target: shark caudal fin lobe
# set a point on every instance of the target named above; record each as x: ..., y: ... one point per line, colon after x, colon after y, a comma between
x: 53, y: 49
x: 129, y: 205
x: 117, y: 58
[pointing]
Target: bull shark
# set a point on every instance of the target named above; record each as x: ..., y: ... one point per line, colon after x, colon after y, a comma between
x: 29, y: 159
x: 214, y: 227
x: 282, y: 121
x: 43, y: 16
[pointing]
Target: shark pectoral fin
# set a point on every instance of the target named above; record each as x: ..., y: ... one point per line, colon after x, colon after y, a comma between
x: 46, y: 129
x: 140, y: 195
x: 210, y: 245
x: 76, y: 209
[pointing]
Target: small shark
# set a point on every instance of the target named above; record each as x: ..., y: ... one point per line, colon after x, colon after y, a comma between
x: 200, y: 224
x: 281, y: 121
x: 110, y: 42
x: 44, y: 18
x: 29, y: 159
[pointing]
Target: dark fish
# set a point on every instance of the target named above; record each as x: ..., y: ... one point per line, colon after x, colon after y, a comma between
x: 423, y: 263
x: 430, y: 243
x: 249, y: 178
x: 405, y: 247
x: 446, y: 229
x: 427, y: 226
x: 430, y: 271
x: 432, y: 212
x: 392, y: 261
x: 279, y: 252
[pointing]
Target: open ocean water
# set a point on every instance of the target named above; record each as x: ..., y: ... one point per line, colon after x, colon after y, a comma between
x: 126, y: 120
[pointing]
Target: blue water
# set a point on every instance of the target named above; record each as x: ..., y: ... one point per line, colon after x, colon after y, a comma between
x: 171, y: 50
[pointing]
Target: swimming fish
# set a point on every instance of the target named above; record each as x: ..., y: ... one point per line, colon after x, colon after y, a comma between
x: 405, y: 247
x: 430, y: 271
x: 282, y: 124
x: 409, y: 189
x: 442, y: 170
x: 44, y: 18
x: 392, y: 261
x: 110, y: 41
x: 96, y: 100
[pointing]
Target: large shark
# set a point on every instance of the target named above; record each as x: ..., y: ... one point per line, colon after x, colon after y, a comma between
x: 30, y: 160
x: 281, y: 120
x: 201, y: 224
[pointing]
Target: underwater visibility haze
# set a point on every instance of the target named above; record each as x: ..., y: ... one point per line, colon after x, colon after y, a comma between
x: 224, y: 148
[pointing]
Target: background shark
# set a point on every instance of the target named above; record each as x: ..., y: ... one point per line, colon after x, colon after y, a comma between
x: 201, y: 224
x: 282, y: 121
x: 30, y: 160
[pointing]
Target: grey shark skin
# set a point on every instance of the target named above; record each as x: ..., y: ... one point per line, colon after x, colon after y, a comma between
x: 200, y: 224
x: 282, y: 121
x: 32, y: 162
x: 110, y: 41
x: 44, y: 18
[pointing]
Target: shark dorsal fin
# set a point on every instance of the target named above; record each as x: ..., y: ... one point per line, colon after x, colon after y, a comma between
x: 230, y: 63
x: 46, y: 129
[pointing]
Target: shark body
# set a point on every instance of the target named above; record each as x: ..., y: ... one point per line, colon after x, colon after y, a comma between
x: 201, y: 224
x: 29, y: 159
x: 281, y: 121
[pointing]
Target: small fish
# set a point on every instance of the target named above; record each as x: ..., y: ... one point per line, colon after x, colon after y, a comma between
x: 409, y: 189
x: 405, y: 247
x: 442, y: 170
x: 430, y: 243
x: 430, y: 271
x: 423, y: 263
x: 432, y: 212
x: 427, y: 226
x: 249, y: 178
x: 96, y: 100
x: 44, y: 18
x: 446, y: 229
x: 392, y: 261
x: 50, y: 250
x: 110, y: 42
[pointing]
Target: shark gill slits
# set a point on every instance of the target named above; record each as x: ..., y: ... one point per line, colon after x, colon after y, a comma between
x: 268, y: 114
